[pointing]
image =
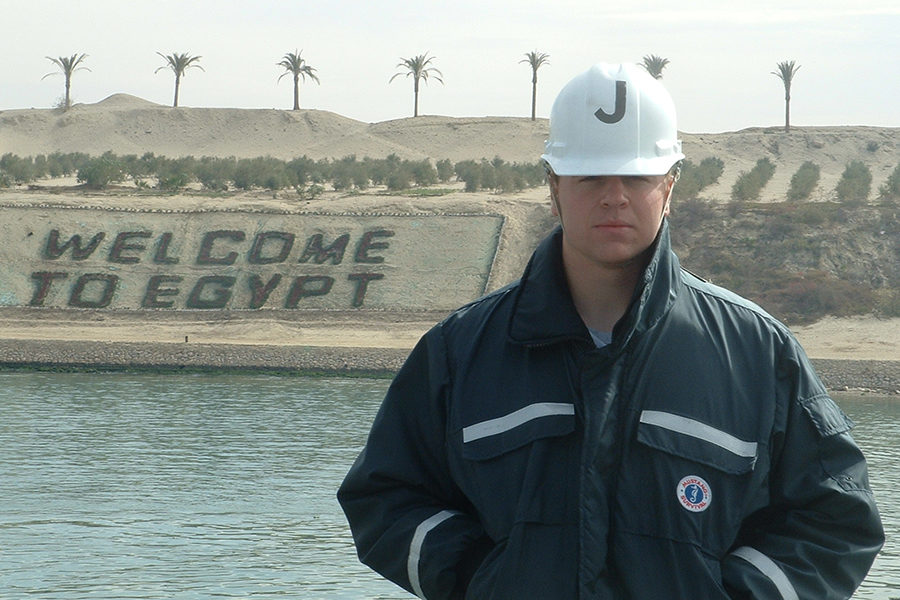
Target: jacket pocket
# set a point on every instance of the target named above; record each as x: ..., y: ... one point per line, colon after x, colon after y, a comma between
x: 520, y: 468
x: 494, y: 437
x: 688, y: 438
x: 686, y: 481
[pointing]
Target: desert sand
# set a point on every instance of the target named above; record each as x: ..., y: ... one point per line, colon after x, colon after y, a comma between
x: 125, y: 124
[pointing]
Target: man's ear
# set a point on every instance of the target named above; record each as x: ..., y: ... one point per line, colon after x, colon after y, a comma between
x: 670, y: 188
x: 553, y: 183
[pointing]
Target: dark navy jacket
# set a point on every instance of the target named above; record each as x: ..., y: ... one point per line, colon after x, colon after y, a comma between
x: 697, y: 456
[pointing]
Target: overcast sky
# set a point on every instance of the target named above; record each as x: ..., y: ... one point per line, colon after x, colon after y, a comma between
x: 721, y: 54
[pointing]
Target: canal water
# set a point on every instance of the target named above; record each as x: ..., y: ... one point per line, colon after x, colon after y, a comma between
x: 198, y: 486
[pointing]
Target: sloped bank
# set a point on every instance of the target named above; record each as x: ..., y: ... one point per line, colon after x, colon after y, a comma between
x: 838, y: 375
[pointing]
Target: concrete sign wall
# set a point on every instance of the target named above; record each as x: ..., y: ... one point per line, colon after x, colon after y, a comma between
x: 154, y: 260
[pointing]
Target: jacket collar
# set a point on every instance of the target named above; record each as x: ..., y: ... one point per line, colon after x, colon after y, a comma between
x: 544, y: 312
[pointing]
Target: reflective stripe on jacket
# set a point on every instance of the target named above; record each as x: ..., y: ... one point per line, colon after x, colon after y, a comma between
x: 697, y: 456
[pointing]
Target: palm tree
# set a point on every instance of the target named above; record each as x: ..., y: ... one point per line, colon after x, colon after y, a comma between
x: 786, y: 71
x: 296, y: 66
x: 655, y: 65
x: 418, y: 68
x: 67, y: 65
x: 179, y: 63
x: 535, y: 59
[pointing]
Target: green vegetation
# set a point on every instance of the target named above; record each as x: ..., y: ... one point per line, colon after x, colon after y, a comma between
x: 888, y: 305
x: 418, y: 68
x: 67, y: 66
x: 535, y: 60
x: 178, y: 64
x: 799, y: 261
x: 786, y: 71
x: 855, y: 184
x: 498, y: 175
x: 295, y: 66
x: 890, y: 190
x: 803, y: 182
x: 97, y: 173
x: 655, y: 65
x: 750, y: 183
x: 304, y: 174
x: 696, y: 177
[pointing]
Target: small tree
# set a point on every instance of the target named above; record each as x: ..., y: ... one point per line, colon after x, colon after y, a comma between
x: 178, y: 63
x: 890, y: 189
x: 786, y: 71
x: 417, y: 68
x: 855, y: 184
x: 67, y: 66
x: 297, y: 67
x: 655, y: 65
x: 750, y: 183
x: 535, y: 60
x: 804, y: 181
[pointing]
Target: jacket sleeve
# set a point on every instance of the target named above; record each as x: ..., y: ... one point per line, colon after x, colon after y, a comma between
x: 821, y: 531
x: 409, y: 521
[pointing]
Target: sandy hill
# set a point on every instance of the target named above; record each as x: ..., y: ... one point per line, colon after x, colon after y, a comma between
x: 126, y: 124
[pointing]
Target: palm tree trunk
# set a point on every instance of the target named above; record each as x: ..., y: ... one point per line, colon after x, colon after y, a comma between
x: 416, y: 99
x: 296, y: 92
x: 787, y: 114
x: 177, y: 83
x: 533, y: 97
x: 68, y: 87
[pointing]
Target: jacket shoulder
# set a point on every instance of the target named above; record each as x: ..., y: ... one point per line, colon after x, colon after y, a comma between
x: 488, y: 315
x: 730, y: 301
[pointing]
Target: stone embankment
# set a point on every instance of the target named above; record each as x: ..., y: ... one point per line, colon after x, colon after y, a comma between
x: 871, y: 375
x: 838, y: 375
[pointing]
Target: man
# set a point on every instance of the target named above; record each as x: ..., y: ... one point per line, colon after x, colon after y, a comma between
x: 611, y: 426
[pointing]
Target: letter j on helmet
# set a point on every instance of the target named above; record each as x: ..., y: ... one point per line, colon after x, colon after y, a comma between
x: 619, y: 111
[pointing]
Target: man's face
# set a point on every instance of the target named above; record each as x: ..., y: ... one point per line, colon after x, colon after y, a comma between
x: 609, y: 220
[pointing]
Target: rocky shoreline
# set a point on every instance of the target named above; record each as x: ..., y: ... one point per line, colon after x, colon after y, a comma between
x: 879, y: 376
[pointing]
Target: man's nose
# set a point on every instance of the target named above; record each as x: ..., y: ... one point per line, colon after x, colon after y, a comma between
x: 614, y: 191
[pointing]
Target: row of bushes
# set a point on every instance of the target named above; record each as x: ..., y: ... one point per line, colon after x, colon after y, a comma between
x: 750, y: 183
x: 694, y: 178
x: 853, y: 188
x: 221, y: 174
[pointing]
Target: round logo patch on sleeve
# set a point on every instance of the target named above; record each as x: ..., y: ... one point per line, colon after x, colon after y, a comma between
x: 694, y: 493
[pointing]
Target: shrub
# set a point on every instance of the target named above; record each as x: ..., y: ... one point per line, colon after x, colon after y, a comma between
x: 423, y: 172
x: 690, y: 212
x: 803, y: 182
x: 469, y: 172
x: 814, y: 294
x: 348, y: 172
x: 302, y: 169
x: 890, y: 189
x: 17, y: 169
x: 174, y: 174
x: 309, y: 193
x: 400, y: 179
x: 262, y: 172
x: 750, y: 183
x: 215, y: 173
x: 694, y: 178
x: 889, y: 306
x: 855, y: 184
x: 444, y: 170
x: 98, y: 173
x: 816, y: 213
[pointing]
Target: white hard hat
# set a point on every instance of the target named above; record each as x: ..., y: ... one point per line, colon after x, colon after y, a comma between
x: 613, y: 120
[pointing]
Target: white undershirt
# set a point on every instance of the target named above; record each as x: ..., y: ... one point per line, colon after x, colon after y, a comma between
x: 601, y: 338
